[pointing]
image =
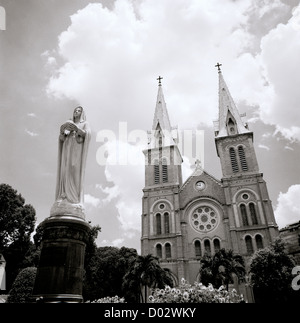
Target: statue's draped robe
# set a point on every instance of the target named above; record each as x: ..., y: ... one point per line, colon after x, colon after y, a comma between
x: 72, y: 153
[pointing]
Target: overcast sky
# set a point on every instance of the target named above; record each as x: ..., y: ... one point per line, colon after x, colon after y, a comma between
x: 107, y: 55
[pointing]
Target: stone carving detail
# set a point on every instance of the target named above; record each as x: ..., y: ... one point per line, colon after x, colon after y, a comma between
x: 65, y: 232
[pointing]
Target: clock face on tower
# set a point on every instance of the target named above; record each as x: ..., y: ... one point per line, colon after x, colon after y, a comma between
x: 200, y: 185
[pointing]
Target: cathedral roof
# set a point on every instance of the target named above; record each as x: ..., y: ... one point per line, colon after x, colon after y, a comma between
x: 227, y: 108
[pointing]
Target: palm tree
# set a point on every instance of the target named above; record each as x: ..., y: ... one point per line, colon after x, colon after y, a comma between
x: 219, y: 269
x: 145, y: 273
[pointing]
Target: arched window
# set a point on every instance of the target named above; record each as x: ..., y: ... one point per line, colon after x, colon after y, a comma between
x: 231, y: 127
x: 259, y: 241
x: 158, y: 136
x: 159, y: 251
x: 249, y: 245
x: 217, y: 245
x: 165, y: 170
x: 242, y: 158
x: 160, y: 140
x: 253, y: 213
x: 167, y: 222
x: 158, y: 223
x: 156, y: 171
x: 244, y: 214
x: 197, y: 248
x: 207, y: 246
x: 168, y: 250
x: 234, y: 164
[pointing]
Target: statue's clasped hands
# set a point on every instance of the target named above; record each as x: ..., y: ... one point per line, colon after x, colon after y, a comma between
x: 67, y: 127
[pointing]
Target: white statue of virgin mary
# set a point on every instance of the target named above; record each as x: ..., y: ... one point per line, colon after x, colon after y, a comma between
x: 73, y: 145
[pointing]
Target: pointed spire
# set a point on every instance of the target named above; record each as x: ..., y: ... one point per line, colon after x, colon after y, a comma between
x: 161, y: 116
x: 230, y: 122
x: 162, y: 134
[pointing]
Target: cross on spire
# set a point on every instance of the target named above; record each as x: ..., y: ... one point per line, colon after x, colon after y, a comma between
x: 198, y: 163
x: 218, y: 65
x: 159, y: 80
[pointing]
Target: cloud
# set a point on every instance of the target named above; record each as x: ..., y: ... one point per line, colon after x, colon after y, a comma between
x: 30, y: 133
x: 31, y: 115
x: 112, y: 193
x: 288, y: 148
x: 114, y: 243
x: 267, y: 135
x: 117, y: 242
x: 130, y: 215
x: 51, y: 61
x: 113, y: 57
x: 263, y: 8
x: 282, y: 73
x: 91, y: 200
x: 126, y: 183
x: 264, y: 147
x: 288, y: 206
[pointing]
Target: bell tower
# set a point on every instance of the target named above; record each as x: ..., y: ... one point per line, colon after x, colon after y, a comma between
x: 161, y: 232
x: 163, y: 158
x: 234, y: 140
x: 252, y: 223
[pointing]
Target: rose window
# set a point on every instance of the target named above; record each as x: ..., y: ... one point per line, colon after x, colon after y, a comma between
x: 204, y: 218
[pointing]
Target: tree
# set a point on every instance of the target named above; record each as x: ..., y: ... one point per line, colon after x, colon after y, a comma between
x: 105, y: 271
x: 145, y: 272
x: 32, y: 257
x: 220, y: 268
x: 22, y: 287
x: 91, y: 246
x: 17, y: 221
x: 271, y: 273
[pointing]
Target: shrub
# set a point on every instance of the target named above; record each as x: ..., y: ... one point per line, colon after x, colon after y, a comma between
x: 22, y: 286
x: 114, y: 299
x: 197, y: 293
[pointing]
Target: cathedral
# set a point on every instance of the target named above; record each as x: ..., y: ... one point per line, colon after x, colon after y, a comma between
x: 183, y: 220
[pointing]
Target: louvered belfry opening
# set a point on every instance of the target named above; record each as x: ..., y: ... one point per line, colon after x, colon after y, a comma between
x: 156, y: 171
x: 164, y: 170
x: 234, y: 164
x: 242, y: 158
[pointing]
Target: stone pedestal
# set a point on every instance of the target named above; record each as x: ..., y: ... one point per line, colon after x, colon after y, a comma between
x: 60, y: 271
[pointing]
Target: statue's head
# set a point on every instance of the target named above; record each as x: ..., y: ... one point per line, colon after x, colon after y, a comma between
x: 79, y: 112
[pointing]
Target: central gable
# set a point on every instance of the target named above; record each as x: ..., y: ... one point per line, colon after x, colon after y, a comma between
x: 201, y: 184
